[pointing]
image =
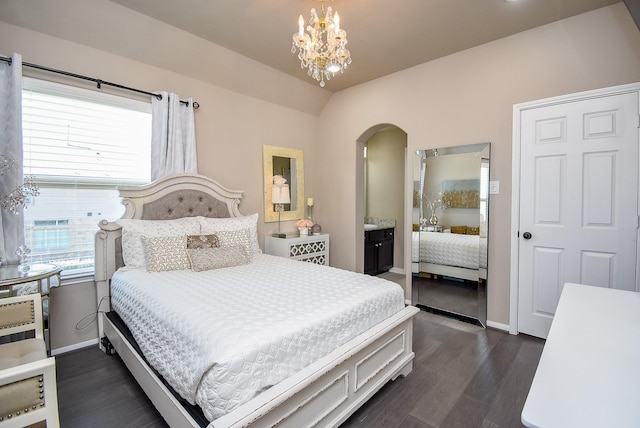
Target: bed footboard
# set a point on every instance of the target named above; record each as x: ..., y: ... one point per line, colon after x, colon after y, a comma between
x: 324, y: 394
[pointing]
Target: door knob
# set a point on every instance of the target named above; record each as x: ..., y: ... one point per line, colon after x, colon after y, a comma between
x: 526, y: 235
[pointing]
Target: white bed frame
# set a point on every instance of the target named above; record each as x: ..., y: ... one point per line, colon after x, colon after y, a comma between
x: 323, y: 394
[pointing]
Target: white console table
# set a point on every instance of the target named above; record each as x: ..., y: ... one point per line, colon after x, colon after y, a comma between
x: 589, y: 371
x: 312, y: 248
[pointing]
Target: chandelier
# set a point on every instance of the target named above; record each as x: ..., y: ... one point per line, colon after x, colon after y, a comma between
x: 322, y: 51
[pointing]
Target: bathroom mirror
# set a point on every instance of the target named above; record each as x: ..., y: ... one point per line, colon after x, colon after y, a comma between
x: 450, y: 230
x: 288, y: 163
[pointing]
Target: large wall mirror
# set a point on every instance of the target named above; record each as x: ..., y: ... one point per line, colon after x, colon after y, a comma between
x: 450, y: 230
x: 289, y: 164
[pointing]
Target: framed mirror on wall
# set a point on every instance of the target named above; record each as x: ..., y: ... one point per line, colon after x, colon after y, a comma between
x: 450, y: 231
x: 288, y: 164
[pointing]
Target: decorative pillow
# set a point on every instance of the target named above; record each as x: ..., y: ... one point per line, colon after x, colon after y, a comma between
x: 236, y: 238
x: 133, y: 230
x: 216, y: 258
x: 459, y: 229
x: 165, y: 253
x: 202, y: 241
x: 473, y: 230
x: 215, y: 225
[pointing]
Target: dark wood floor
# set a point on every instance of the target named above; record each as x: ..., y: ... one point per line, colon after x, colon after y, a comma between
x: 463, y: 376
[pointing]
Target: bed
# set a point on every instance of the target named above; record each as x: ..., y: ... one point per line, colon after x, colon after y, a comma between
x: 298, y: 370
x: 450, y: 254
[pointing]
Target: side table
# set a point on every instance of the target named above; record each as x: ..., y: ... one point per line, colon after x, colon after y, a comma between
x: 13, y: 282
x: 312, y: 248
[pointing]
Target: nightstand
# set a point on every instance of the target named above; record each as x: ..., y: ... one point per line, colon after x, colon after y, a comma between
x: 312, y: 248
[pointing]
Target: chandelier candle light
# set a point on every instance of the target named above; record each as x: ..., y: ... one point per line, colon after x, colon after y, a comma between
x: 323, y: 50
x: 315, y: 227
x: 310, y: 207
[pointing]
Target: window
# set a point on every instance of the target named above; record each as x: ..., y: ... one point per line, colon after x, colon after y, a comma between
x: 484, y: 193
x: 51, y: 235
x: 79, y: 145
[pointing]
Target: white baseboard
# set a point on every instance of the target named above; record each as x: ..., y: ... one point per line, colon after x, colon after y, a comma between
x: 397, y: 270
x: 498, y: 325
x: 75, y: 346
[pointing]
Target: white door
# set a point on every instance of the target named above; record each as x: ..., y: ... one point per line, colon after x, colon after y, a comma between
x: 578, y: 202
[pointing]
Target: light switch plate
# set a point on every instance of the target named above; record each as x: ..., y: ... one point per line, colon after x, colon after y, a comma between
x: 494, y: 187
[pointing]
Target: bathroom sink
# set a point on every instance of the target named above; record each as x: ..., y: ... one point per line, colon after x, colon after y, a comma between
x: 368, y: 226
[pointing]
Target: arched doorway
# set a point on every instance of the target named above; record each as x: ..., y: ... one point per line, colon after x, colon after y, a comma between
x: 381, y: 191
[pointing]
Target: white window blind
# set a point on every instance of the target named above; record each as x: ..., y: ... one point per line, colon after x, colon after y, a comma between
x: 79, y: 145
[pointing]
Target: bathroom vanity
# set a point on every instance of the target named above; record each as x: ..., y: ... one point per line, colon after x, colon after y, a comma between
x: 378, y: 249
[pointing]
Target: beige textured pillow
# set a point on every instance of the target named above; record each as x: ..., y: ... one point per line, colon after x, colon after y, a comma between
x: 216, y: 258
x: 165, y: 253
x: 250, y: 222
x: 235, y: 238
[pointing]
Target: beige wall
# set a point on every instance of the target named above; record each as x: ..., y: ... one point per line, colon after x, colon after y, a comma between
x: 72, y: 315
x: 468, y: 98
x: 385, y: 183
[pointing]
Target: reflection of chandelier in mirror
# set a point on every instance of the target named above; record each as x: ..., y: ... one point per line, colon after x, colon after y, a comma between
x: 323, y: 50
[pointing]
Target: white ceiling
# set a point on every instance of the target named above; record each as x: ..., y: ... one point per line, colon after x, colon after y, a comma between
x: 384, y: 36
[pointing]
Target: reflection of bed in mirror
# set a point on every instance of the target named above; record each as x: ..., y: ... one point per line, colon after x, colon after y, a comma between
x: 450, y: 254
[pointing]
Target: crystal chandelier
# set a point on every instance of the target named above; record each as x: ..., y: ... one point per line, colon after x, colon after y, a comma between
x: 322, y: 51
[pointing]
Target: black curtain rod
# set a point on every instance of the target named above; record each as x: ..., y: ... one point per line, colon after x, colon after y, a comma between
x: 98, y: 82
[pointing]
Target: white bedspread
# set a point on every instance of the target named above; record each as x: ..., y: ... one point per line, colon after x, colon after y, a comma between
x: 220, y: 337
x: 451, y: 249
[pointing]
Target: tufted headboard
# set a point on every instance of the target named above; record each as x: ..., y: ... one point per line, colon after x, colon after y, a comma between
x: 176, y: 196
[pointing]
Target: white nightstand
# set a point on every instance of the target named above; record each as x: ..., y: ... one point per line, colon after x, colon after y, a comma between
x: 312, y: 248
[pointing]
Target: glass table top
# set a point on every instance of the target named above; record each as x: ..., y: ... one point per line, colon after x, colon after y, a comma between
x: 11, y: 274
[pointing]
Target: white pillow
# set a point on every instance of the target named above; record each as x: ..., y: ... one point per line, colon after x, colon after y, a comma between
x: 236, y: 238
x: 215, y: 225
x: 133, y: 230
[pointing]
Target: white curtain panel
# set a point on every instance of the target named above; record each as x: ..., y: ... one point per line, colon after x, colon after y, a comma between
x: 11, y: 144
x: 173, y: 137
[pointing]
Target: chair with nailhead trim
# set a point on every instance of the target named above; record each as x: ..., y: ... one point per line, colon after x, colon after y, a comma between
x: 28, y: 391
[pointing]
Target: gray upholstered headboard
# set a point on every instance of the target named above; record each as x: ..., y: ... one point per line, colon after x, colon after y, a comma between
x: 176, y: 196
x: 185, y: 203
